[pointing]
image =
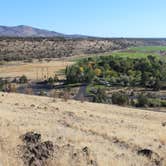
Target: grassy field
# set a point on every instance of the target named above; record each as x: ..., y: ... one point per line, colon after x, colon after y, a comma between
x: 35, y: 70
x: 133, y: 54
x: 148, y: 48
x: 125, y: 54
x: 143, y: 52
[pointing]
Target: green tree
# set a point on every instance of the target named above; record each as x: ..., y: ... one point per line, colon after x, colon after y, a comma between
x: 23, y: 79
x: 100, y: 96
x: 142, y: 101
x: 120, y: 98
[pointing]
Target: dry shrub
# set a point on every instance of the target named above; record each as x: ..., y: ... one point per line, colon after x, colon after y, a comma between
x: 11, y: 87
x: 29, y: 91
x: 66, y: 96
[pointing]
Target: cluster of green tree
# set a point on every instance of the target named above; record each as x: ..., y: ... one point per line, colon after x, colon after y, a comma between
x: 124, y: 99
x: 142, y: 100
x: 146, y: 72
x: 2, y: 83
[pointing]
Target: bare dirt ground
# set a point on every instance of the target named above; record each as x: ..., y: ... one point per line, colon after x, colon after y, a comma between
x: 82, y: 133
x: 35, y: 70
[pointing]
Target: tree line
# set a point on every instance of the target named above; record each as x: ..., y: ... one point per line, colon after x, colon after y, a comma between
x: 149, y: 72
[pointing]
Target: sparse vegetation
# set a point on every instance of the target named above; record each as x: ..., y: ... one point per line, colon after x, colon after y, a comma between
x: 52, y: 80
x: 38, y: 48
x: 120, y: 98
x: 23, y: 79
x: 100, y: 96
x: 142, y: 101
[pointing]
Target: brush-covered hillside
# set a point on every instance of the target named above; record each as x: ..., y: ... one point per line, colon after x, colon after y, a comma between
x: 19, y: 48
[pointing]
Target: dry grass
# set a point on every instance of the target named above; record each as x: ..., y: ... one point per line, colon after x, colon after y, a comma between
x: 112, y: 133
x: 36, y: 70
x: 162, y: 139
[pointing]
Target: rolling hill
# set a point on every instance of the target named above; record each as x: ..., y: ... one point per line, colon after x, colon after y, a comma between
x: 82, y: 134
x: 28, y: 31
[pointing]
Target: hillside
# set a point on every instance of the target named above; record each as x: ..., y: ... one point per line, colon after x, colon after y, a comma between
x: 29, y: 31
x: 15, y: 48
x: 82, y: 133
x: 27, y: 48
x: 26, y: 31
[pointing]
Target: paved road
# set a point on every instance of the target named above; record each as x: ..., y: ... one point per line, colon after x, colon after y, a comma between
x: 81, y: 93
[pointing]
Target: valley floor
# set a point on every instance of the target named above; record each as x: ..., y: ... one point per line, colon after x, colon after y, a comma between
x: 114, y: 135
x: 33, y: 71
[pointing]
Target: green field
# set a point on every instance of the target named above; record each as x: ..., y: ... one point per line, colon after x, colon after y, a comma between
x: 148, y: 48
x: 126, y: 54
x: 133, y: 54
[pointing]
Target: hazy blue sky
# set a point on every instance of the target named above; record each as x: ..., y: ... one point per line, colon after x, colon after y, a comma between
x: 110, y: 18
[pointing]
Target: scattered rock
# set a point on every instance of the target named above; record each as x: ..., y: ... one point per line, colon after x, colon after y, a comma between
x: 120, y: 143
x: 70, y: 114
x: 163, y: 124
x: 86, y: 150
x: 32, y: 138
x: 152, y: 156
x: 145, y: 152
x: 60, y: 138
x: 32, y: 105
x: 76, y: 157
x: 35, y: 152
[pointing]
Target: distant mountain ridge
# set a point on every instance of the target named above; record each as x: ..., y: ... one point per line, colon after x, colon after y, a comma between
x: 28, y: 31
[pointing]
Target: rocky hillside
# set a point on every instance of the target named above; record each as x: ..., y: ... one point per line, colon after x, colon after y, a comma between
x: 42, y: 131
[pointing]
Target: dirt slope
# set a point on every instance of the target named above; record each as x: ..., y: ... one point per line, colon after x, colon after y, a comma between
x: 110, y: 135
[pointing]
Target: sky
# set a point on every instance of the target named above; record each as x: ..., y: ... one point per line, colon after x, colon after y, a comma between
x: 105, y: 18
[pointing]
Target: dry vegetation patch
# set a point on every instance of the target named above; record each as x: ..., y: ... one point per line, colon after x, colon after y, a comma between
x: 35, y: 70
